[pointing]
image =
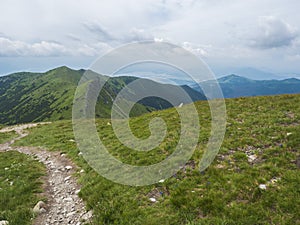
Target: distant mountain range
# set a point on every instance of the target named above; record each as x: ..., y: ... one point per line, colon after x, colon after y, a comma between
x: 236, y: 86
x: 27, y: 97
x: 255, y: 74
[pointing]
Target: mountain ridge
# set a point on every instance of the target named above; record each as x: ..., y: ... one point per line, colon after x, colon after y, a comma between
x: 35, y: 97
x: 234, y: 86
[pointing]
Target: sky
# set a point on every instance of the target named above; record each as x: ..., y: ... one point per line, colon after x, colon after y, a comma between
x: 229, y: 35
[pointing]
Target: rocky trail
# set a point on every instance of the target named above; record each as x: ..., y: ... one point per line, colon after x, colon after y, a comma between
x: 63, y: 205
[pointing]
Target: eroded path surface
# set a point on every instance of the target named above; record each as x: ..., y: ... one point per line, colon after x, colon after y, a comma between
x: 61, y: 189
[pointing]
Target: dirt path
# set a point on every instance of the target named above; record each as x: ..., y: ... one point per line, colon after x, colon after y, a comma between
x: 63, y: 205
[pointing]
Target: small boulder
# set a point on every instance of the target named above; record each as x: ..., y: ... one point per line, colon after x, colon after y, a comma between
x: 39, y: 208
x: 252, y: 158
x: 262, y: 187
x: 68, y: 167
x: 87, y: 216
x: 4, y: 222
x: 67, y: 178
x: 152, y: 199
x: 68, y: 199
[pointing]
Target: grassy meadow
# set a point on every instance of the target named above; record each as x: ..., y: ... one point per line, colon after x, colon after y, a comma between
x: 261, y: 147
x: 20, y: 185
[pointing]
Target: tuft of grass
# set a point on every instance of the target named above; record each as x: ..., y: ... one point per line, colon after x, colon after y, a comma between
x: 20, y: 184
x: 226, y: 193
x: 7, y: 136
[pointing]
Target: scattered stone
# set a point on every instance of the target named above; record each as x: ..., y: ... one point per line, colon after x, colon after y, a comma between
x: 67, y: 178
x: 65, y: 207
x: 262, y: 187
x: 6, y: 168
x: 87, y: 216
x: 152, y: 199
x: 69, y: 199
x: 70, y: 214
x: 39, y: 208
x: 251, y: 158
x: 274, y: 180
x: 71, y: 140
x: 220, y: 166
x: 290, y: 115
x: 180, y: 105
x: 161, y: 181
x: 288, y: 134
x: 68, y: 167
x: 77, y: 192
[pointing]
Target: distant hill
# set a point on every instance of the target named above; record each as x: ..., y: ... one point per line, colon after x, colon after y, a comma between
x: 256, y: 74
x: 236, y: 86
x: 27, y: 97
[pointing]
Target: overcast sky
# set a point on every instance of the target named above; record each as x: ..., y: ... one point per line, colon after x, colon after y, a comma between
x: 36, y: 35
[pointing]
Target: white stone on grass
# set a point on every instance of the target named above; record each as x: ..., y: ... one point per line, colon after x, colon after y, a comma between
x: 152, y: 199
x: 262, y: 187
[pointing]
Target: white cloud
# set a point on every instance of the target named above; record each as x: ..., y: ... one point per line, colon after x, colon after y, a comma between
x: 15, y: 48
x: 273, y: 33
x: 138, y: 35
x: 224, y: 31
x: 196, y: 49
x: 99, y: 31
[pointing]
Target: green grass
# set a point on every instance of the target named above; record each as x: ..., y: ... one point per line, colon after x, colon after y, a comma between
x: 20, y: 183
x: 5, y: 137
x: 225, y: 193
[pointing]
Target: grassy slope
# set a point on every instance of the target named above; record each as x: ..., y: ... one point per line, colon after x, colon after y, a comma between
x: 19, y: 184
x: 31, y: 97
x: 226, y: 193
x: 4, y: 137
x: 27, y: 97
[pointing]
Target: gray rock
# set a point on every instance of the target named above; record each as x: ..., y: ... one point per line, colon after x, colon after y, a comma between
x: 87, y: 215
x: 4, y: 222
x: 39, y: 208
x: 68, y: 167
x: 251, y: 158
x: 69, y: 199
